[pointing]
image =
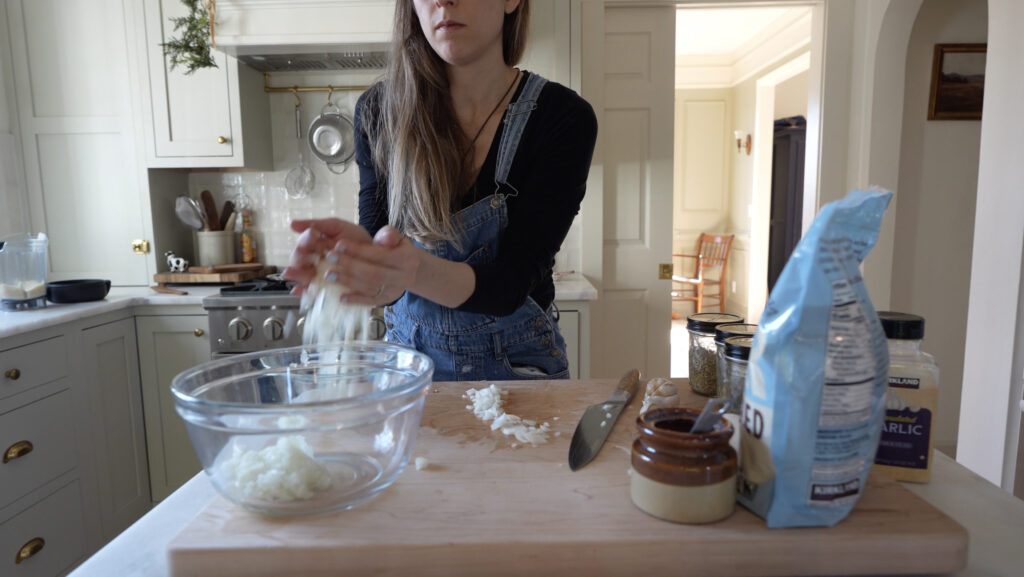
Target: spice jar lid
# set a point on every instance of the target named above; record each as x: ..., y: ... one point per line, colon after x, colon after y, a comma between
x: 902, y: 326
x: 706, y: 322
x: 738, y: 347
x: 725, y: 331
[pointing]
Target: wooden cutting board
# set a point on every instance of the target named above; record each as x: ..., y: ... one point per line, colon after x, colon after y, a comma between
x: 225, y: 276
x: 484, y: 507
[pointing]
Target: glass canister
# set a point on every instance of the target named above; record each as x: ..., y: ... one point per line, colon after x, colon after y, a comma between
x: 23, y: 271
x: 703, y: 354
x: 732, y: 369
x: 723, y: 332
x: 680, y: 476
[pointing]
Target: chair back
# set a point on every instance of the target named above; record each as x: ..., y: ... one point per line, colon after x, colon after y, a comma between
x: 714, y: 252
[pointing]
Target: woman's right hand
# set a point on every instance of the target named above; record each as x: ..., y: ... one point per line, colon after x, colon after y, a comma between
x: 316, y: 238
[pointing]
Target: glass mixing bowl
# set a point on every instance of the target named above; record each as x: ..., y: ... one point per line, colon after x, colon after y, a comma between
x: 305, y: 430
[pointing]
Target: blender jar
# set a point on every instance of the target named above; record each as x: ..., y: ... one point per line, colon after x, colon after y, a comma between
x: 23, y: 271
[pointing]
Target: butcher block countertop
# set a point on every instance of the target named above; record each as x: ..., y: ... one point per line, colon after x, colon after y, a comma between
x: 484, y: 507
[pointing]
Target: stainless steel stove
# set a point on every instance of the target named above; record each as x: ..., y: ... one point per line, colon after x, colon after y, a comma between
x: 259, y: 315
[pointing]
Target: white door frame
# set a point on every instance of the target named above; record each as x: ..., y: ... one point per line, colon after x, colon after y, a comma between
x: 761, y: 199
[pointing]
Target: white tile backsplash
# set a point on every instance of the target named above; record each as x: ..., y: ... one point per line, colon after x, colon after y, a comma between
x: 333, y: 195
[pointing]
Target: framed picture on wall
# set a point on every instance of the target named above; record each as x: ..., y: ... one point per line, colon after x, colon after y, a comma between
x: 958, y: 82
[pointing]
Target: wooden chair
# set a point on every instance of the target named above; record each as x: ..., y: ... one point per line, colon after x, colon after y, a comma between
x: 691, y: 283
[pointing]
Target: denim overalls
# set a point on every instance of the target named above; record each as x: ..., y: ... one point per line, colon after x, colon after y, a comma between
x: 477, y: 347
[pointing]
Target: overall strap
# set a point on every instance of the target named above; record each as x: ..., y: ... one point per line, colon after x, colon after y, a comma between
x: 515, y: 123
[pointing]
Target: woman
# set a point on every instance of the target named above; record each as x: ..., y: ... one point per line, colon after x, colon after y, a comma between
x: 471, y: 172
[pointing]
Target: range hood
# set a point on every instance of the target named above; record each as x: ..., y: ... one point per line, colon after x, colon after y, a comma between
x: 290, y: 59
x: 314, y: 35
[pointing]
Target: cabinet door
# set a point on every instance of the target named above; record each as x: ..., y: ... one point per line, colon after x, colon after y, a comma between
x: 192, y: 114
x: 110, y: 361
x: 72, y: 86
x: 167, y: 346
x: 569, y: 326
x: 56, y: 524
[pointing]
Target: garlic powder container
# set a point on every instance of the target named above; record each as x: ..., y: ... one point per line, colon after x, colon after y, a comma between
x: 905, y: 449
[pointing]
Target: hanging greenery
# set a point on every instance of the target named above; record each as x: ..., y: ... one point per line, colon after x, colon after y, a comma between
x: 192, y: 48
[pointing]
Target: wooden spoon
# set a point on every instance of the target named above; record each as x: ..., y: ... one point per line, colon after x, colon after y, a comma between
x: 225, y: 214
x: 209, y: 210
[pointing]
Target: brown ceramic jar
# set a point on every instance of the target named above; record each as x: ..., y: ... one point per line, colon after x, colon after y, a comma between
x: 679, y: 476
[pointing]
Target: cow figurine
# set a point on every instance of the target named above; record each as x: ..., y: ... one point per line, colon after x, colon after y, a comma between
x: 176, y: 263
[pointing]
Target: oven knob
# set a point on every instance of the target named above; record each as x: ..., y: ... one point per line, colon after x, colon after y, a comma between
x: 239, y: 329
x: 377, y: 329
x: 273, y: 329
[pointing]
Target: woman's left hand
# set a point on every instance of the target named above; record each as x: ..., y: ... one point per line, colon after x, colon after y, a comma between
x: 375, y: 273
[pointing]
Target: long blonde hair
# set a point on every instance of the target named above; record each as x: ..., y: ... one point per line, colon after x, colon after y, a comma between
x: 417, y: 142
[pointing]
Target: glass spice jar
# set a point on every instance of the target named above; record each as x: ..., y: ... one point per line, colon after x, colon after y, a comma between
x: 723, y: 332
x: 732, y: 369
x: 703, y: 354
x: 680, y: 476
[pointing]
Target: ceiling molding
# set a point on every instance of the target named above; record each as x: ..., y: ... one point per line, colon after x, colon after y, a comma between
x: 787, y: 36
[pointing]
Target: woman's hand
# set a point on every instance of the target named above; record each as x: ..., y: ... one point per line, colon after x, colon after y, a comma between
x: 317, y: 238
x: 375, y: 272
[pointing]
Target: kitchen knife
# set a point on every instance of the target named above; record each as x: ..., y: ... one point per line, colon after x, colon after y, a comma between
x: 598, y: 420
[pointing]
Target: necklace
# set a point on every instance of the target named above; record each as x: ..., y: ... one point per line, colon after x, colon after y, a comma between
x: 495, y: 109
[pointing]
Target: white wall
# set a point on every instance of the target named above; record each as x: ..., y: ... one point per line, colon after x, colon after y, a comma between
x: 791, y: 96
x: 13, y: 215
x: 934, y: 224
x: 790, y: 100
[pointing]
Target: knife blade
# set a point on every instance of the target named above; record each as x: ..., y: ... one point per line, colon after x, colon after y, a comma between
x: 597, y: 421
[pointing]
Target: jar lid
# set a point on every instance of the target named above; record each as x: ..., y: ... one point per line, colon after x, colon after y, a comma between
x: 738, y: 347
x: 725, y: 331
x: 706, y: 322
x: 902, y: 326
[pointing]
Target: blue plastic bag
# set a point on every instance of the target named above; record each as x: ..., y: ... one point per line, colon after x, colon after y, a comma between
x: 814, y: 398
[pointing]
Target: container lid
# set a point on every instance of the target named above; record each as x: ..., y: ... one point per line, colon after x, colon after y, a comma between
x: 706, y: 322
x: 738, y: 347
x: 723, y: 332
x: 902, y: 326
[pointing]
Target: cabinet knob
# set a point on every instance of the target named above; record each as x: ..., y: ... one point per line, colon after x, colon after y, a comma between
x: 198, y: 332
x: 221, y: 140
x: 19, y: 449
x: 29, y: 549
x: 12, y: 374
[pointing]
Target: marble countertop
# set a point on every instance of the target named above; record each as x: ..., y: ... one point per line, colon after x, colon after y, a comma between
x: 119, y: 298
x: 993, y: 518
x: 569, y: 288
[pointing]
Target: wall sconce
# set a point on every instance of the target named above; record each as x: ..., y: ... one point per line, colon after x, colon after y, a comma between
x: 743, y: 140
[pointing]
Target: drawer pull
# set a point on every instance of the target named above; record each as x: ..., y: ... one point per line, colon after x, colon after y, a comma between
x: 221, y: 140
x: 19, y: 449
x: 29, y: 549
x: 13, y: 374
x: 198, y: 332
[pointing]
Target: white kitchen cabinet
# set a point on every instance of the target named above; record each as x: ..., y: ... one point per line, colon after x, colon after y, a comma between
x: 48, y: 535
x: 548, y: 48
x: 42, y: 510
x: 574, y: 324
x: 167, y: 346
x: 214, y: 117
x: 73, y: 97
x: 110, y: 363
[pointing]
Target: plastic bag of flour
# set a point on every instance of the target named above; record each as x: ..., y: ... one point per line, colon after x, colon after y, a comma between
x: 815, y: 392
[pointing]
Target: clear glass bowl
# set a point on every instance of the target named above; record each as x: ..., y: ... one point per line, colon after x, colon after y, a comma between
x: 305, y: 430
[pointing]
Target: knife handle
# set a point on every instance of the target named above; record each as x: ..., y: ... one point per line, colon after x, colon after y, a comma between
x: 627, y: 386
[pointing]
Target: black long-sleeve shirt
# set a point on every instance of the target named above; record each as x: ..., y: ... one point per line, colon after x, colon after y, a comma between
x: 550, y: 172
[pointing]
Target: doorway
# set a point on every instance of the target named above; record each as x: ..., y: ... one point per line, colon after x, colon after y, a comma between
x: 738, y: 70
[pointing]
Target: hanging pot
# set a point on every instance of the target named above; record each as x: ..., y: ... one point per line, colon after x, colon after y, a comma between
x: 332, y: 138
